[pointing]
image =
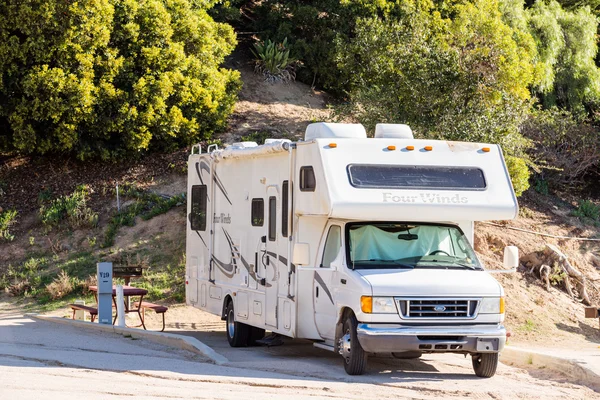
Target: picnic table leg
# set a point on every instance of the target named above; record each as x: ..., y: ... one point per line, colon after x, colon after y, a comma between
x: 141, y: 314
x: 116, y: 310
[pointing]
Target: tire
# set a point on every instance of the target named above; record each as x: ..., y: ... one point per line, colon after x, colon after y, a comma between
x: 254, y: 335
x: 485, y: 364
x: 355, y: 358
x: 237, y: 332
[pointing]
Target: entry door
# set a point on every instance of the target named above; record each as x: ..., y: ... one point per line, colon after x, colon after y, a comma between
x: 272, y: 260
x: 324, y: 283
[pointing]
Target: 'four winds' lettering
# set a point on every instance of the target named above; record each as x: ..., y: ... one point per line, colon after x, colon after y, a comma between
x: 427, y: 198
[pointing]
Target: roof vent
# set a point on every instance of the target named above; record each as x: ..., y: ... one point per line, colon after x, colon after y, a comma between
x: 393, y: 131
x: 243, y: 145
x: 337, y: 131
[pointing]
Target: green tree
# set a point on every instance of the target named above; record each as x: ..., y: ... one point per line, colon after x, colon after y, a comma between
x: 566, y: 46
x: 111, y: 77
x: 460, y: 79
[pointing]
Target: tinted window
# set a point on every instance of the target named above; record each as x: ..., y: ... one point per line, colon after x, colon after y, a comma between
x: 307, y: 179
x: 198, y: 212
x: 272, y: 218
x: 284, y: 209
x: 415, y: 177
x: 332, y: 246
x: 258, y: 212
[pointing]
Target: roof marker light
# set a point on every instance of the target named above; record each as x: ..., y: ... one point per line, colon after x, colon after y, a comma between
x: 332, y: 145
x: 428, y: 148
x: 391, y: 148
x: 486, y: 149
x: 410, y: 148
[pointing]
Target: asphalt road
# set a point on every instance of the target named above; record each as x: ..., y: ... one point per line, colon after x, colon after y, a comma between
x: 54, y: 361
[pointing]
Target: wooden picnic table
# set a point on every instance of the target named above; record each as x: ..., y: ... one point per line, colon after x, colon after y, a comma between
x: 128, y: 291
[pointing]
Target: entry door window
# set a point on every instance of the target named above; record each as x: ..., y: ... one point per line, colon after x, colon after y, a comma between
x: 332, y: 246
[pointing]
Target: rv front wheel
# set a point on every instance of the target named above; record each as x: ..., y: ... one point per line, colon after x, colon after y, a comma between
x: 355, y: 358
x: 485, y: 364
x: 237, y: 332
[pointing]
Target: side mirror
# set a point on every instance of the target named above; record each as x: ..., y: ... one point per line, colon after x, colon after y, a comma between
x: 511, y: 257
x: 301, y: 254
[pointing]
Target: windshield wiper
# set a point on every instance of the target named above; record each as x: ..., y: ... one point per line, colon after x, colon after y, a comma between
x: 396, y: 263
x: 454, y: 262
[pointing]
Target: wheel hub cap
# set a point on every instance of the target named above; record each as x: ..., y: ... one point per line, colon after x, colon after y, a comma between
x: 230, y: 324
x: 345, y: 346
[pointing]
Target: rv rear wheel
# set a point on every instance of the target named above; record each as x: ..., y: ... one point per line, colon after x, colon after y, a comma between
x: 237, y: 332
x: 355, y: 358
x: 485, y: 364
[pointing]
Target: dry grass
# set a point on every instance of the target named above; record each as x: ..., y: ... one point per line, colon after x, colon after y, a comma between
x: 60, y: 286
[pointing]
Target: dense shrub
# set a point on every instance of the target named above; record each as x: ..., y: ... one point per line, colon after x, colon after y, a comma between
x: 71, y: 210
x: 566, y: 149
x: 464, y: 79
x: 111, y: 77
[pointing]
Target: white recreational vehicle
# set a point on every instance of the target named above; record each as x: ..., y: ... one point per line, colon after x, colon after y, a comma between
x: 363, y: 245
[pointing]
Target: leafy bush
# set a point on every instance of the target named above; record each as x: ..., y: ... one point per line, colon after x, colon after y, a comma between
x: 519, y: 174
x: 462, y: 81
x: 7, y: 219
x: 273, y: 61
x: 105, y: 78
x: 71, y: 209
x: 588, y: 210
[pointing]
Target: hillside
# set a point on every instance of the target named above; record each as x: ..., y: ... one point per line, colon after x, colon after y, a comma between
x: 156, y: 237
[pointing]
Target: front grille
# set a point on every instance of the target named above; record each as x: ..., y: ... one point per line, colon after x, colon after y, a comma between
x: 438, y: 308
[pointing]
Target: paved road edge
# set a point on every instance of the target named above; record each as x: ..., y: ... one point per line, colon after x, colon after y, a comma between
x: 167, y: 339
x: 569, y: 367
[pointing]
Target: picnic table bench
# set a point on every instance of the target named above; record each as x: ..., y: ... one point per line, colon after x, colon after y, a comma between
x: 92, y: 310
x: 142, y: 306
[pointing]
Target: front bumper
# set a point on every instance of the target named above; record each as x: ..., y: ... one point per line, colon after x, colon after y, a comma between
x: 376, y: 338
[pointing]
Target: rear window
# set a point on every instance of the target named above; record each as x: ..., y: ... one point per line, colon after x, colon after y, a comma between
x: 415, y: 177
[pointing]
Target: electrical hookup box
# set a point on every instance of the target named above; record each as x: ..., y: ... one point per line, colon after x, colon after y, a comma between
x: 105, y: 292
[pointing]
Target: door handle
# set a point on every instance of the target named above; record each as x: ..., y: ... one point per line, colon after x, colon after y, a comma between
x: 317, y: 291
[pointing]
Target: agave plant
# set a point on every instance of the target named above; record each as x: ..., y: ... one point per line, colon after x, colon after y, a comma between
x: 273, y: 61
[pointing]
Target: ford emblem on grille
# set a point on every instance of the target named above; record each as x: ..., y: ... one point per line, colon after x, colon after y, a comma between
x: 439, y: 308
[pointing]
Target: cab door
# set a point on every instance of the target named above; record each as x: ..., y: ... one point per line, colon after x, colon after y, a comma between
x: 325, y: 283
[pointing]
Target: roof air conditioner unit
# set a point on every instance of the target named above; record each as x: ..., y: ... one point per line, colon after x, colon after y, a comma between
x: 393, y: 131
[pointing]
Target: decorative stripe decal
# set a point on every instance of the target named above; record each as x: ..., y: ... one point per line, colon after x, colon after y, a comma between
x: 283, y: 260
x: 321, y: 282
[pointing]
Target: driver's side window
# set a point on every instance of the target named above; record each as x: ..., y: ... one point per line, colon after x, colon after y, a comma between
x: 332, y: 246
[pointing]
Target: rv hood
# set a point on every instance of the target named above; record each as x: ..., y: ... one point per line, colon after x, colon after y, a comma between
x: 426, y: 282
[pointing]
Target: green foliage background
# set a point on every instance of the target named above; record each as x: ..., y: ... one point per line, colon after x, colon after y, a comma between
x: 111, y: 77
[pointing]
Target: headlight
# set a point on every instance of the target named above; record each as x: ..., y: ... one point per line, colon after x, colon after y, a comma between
x: 492, y: 305
x: 378, y: 305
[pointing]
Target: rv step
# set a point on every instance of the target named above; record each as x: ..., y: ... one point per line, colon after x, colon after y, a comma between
x: 323, y: 346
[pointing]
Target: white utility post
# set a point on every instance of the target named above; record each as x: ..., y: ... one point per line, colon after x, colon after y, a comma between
x: 120, y: 306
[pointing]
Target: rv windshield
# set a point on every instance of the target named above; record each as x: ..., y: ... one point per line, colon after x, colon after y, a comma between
x: 407, y: 245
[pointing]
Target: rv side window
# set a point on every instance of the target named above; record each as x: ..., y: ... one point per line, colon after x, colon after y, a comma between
x: 258, y: 212
x: 332, y: 246
x: 198, y: 212
x: 307, y: 179
x: 272, y: 218
x: 284, y: 209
